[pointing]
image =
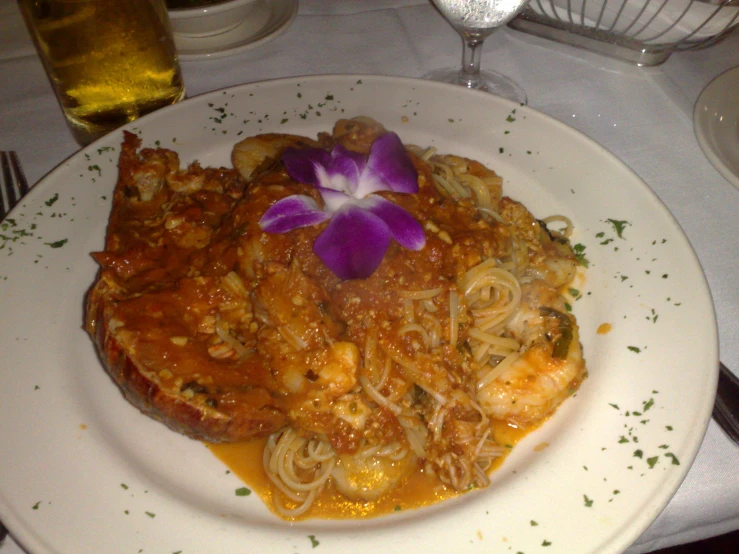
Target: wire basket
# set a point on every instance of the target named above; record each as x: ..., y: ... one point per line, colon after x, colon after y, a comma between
x: 644, y: 32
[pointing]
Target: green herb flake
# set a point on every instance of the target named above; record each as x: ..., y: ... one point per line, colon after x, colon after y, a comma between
x: 35, y: 506
x: 50, y: 201
x: 151, y: 515
x: 579, y: 250
x: 313, y: 541
x: 614, y: 406
x: 397, y: 508
x: 534, y: 523
x: 668, y: 427
x: 124, y: 486
x: 57, y: 244
x: 648, y: 404
x: 588, y: 501
x: 243, y: 491
x: 652, y: 461
x: 674, y: 459
x: 634, y: 349
x: 638, y: 454
x: 622, y: 440
x: 546, y: 543
x: 618, y: 226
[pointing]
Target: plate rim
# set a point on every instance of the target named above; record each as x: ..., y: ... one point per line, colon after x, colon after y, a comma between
x: 702, y: 124
x: 282, y: 14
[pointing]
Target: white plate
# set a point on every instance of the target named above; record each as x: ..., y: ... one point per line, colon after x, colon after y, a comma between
x: 716, y: 123
x: 82, y: 470
x: 268, y: 21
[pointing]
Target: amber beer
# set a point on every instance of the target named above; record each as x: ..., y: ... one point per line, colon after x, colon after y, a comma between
x: 109, y: 61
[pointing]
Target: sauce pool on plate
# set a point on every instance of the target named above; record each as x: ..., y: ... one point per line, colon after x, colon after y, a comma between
x: 244, y: 459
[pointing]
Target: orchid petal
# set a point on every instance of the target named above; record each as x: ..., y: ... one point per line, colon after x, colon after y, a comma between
x: 303, y: 164
x: 335, y: 182
x: 388, y: 168
x: 333, y: 199
x: 354, y: 243
x: 403, y: 226
x: 349, y: 165
x: 292, y: 212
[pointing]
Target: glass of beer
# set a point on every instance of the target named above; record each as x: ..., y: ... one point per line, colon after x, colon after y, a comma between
x: 109, y: 61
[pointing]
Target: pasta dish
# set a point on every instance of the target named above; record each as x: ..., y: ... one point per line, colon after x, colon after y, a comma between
x: 365, y: 331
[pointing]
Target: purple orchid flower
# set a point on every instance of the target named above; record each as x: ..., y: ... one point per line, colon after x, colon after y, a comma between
x: 362, y: 224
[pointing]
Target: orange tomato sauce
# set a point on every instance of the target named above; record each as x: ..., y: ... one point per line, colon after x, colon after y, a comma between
x: 244, y: 459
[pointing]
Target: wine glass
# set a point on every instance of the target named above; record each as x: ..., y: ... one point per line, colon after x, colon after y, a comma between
x: 475, y: 20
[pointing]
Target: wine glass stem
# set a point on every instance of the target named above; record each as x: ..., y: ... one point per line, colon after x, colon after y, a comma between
x: 471, y: 56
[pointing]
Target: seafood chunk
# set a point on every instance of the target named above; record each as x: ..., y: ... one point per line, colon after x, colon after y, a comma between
x: 527, y: 386
x: 255, y: 155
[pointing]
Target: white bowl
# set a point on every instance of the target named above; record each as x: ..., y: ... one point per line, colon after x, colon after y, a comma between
x: 210, y: 18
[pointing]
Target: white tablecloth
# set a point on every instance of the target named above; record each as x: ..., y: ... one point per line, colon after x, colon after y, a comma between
x: 642, y: 115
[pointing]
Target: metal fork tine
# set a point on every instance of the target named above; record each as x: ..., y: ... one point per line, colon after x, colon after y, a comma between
x: 6, y: 191
x: 14, y: 182
x: 20, y: 176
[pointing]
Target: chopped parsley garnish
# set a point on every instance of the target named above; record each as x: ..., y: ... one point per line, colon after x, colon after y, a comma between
x: 579, y: 250
x: 618, y: 226
x: 674, y: 459
x: 652, y: 461
x: 57, y: 244
x: 313, y: 541
x: 50, y: 201
x: 150, y: 514
x: 588, y: 501
x: 243, y: 491
x: 634, y: 349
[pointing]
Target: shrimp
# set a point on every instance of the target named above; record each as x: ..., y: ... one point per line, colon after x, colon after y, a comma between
x: 549, y: 367
x: 550, y: 257
x: 255, y: 155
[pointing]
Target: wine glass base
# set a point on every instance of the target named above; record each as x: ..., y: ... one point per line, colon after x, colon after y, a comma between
x: 486, y: 81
